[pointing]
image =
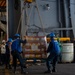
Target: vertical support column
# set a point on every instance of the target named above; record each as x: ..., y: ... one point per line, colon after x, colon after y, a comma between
x: 59, y: 16
x: 67, y: 17
x: 7, y: 19
x: 72, y: 12
x: 23, y: 19
x: 10, y: 17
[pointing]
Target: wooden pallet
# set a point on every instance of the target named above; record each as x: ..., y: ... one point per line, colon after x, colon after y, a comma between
x: 34, y: 60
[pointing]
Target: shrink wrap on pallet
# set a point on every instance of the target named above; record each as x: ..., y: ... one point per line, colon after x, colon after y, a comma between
x: 35, y: 47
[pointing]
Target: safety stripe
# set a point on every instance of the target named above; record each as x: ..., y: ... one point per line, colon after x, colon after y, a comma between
x: 3, y: 3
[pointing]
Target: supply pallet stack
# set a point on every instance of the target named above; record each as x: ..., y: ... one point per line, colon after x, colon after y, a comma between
x: 35, y: 49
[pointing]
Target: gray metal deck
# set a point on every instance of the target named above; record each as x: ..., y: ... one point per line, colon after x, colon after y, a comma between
x: 62, y: 69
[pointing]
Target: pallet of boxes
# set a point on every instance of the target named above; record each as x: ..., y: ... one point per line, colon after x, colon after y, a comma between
x: 35, y: 49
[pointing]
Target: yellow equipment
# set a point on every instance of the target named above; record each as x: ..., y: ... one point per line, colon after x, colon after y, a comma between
x: 61, y: 39
x: 29, y: 1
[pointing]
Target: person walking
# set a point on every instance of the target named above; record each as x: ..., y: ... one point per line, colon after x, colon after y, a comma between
x: 54, y: 51
x: 8, y: 53
x: 3, y: 50
x: 17, y: 51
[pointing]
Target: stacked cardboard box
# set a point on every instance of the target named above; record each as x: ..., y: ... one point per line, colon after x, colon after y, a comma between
x: 35, y: 47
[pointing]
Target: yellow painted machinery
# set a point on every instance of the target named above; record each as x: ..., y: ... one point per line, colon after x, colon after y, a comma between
x: 61, y: 39
x: 29, y: 1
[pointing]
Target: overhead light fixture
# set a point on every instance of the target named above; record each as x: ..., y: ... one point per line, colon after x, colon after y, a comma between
x: 47, y: 7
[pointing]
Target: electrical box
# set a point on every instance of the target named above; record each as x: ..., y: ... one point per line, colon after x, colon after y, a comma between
x: 29, y: 1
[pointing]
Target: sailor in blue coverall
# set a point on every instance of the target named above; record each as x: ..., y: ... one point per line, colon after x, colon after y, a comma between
x: 16, y: 52
x: 54, y: 51
x: 8, y: 51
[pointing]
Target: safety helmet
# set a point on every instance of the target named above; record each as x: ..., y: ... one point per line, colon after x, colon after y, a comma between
x: 3, y: 41
x: 52, y: 34
x: 9, y: 40
x: 17, y: 35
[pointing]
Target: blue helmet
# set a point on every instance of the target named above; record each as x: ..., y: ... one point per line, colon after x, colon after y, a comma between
x: 9, y: 40
x: 52, y: 34
x: 17, y: 35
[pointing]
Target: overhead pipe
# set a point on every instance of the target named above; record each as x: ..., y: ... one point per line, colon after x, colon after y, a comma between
x: 59, y: 15
x: 66, y: 13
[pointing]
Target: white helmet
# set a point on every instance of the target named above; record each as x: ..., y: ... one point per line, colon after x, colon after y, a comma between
x: 3, y: 41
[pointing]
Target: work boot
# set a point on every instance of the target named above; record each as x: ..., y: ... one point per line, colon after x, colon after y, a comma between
x: 54, y: 70
x: 24, y: 66
x: 6, y: 67
x: 14, y: 71
x: 10, y: 67
x: 48, y: 71
x: 23, y: 72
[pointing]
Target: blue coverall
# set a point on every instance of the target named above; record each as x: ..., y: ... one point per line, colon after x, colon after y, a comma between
x: 16, y: 52
x: 7, y: 56
x: 54, y: 50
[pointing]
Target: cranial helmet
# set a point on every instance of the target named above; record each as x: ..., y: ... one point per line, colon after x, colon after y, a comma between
x: 52, y: 34
x: 9, y: 40
x: 3, y: 41
x: 17, y: 35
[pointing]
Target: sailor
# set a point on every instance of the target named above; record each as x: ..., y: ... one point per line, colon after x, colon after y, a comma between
x: 8, y: 53
x: 3, y: 50
x: 54, y: 51
x: 17, y: 51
